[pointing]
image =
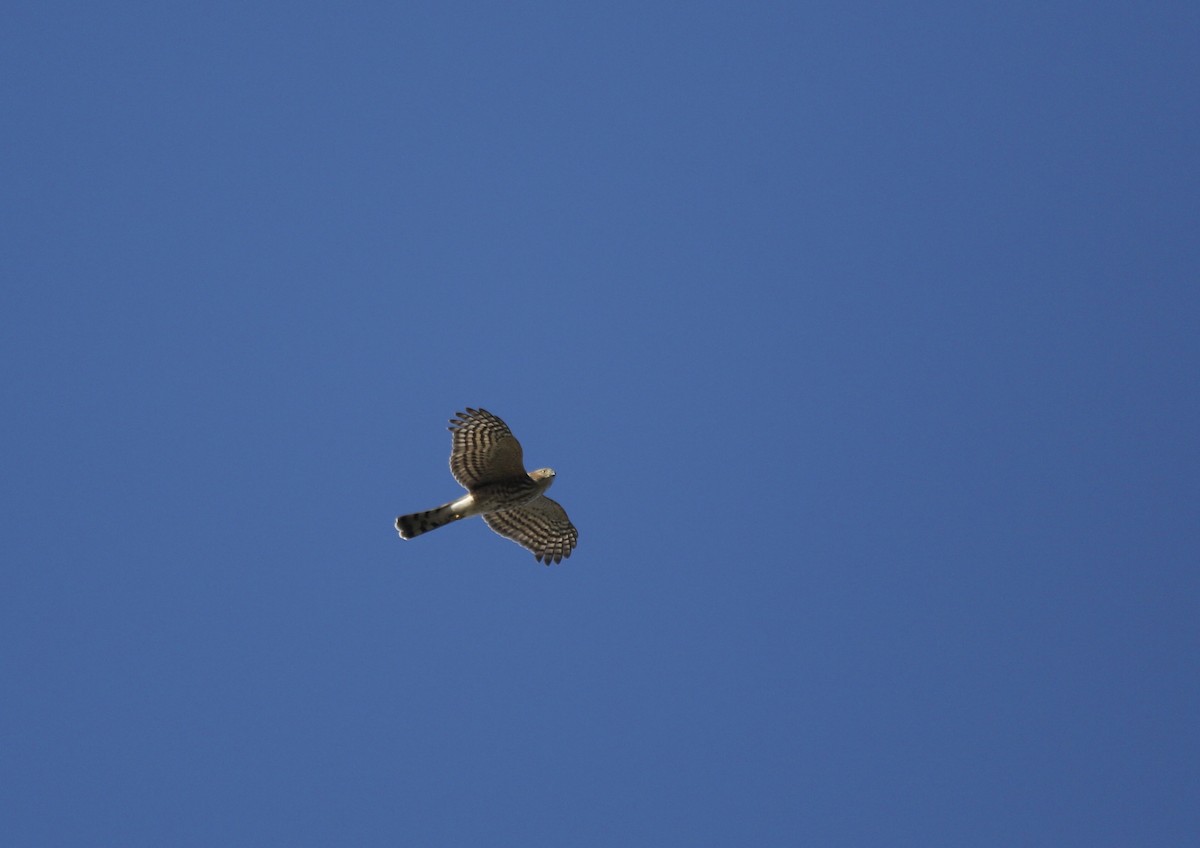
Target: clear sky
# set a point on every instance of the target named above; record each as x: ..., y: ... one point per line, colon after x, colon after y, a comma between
x: 863, y: 338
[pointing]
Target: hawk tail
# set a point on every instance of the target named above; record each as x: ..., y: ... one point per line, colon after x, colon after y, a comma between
x: 417, y: 523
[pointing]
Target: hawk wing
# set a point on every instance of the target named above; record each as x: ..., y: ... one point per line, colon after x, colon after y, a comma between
x: 483, y: 449
x: 541, y: 526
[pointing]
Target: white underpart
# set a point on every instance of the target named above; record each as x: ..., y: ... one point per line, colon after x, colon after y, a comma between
x: 464, y: 506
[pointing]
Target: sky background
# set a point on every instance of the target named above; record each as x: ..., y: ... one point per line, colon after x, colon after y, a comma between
x: 863, y: 338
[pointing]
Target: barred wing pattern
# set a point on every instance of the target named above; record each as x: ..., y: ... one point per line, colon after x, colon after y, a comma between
x: 486, y: 459
x: 483, y: 449
x: 540, y: 526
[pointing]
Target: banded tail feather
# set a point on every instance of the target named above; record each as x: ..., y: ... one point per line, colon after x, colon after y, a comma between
x: 417, y: 523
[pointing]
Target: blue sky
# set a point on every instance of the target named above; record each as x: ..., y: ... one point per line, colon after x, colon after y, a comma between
x: 862, y: 337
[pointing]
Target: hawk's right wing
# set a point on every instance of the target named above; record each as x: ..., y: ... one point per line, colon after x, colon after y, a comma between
x: 483, y: 449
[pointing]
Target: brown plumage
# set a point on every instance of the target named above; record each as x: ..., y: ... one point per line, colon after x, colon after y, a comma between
x: 486, y: 459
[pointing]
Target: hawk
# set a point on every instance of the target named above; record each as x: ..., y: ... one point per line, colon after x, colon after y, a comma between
x: 485, y: 458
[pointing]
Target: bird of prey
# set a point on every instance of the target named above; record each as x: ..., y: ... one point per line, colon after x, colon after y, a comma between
x: 485, y: 458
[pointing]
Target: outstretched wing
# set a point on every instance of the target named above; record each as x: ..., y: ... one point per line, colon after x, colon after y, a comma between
x: 483, y: 449
x: 541, y: 526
